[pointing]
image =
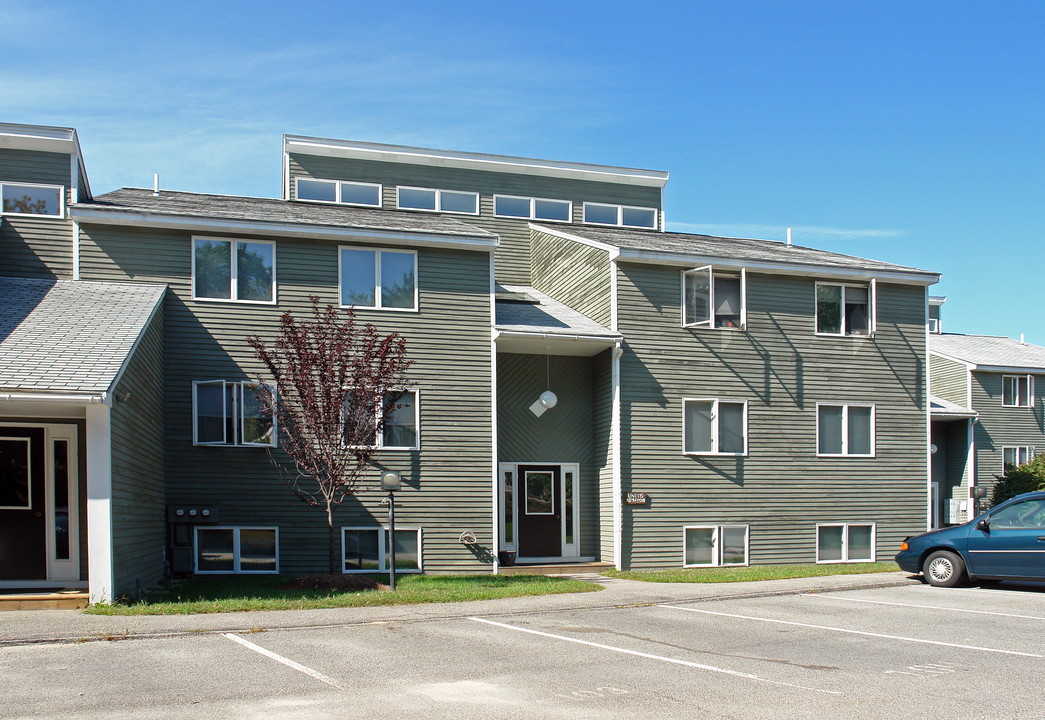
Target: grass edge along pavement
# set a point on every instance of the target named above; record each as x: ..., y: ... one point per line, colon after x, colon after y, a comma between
x: 750, y: 573
x: 270, y: 592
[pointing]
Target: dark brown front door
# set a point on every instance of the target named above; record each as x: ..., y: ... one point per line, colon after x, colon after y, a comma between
x: 23, y: 524
x: 540, y: 511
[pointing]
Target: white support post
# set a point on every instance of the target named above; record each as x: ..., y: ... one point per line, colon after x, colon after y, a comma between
x: 618, y: 494
x: 99, y: 504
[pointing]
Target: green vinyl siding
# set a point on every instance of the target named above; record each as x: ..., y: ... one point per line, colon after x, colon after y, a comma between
x: 138, y: 489
x: 781, y: 489
x: 447, y: 483
x: 564, y: 434
x: 574, y: 274
x: 948, y: 380
x: 513, y: 255
x: 40, y: 247
x: 998, y: 427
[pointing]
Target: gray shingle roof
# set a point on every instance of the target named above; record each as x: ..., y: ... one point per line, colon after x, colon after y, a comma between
x: 174, y: 204
x: 546, y: 315
x: 739, y: 249
x: 945, y: 408
x: 989, y: 350
x: 69, y: 336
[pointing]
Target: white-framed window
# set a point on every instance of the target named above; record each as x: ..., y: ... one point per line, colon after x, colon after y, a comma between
x: 845, y: 430
x: 714, y: 299
x: 239, y: 550
x: 402, y: 431
x: 366, y: 549
x: 620, y: 215
x: 530, y: 208
x: 934, y: 326
x: 342, y: 192
x: 714, y: 427
x: 845, y: 542
x: 377, y: 279
x: 435, y: 200
x: 229, y: 413
x: 1012, y: 456
x: 32, y: 199
x: 714, y: 545
x: 234, y: 270
x: 1017, y: 390
x: 846, y: 309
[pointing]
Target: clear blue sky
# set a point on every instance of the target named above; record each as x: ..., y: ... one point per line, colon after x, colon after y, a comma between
x: 907, y: 132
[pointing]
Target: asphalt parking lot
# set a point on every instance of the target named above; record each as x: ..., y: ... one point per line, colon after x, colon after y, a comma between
x: 909, y: 651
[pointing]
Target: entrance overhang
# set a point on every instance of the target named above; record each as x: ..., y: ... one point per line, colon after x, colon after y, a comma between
x: 546, y: 343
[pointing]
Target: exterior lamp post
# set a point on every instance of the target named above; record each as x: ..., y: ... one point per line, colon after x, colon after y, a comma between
x: 391, y: 481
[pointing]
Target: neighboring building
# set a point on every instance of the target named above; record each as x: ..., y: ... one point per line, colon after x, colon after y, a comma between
x: 714, y: 401
x: 987, y: 414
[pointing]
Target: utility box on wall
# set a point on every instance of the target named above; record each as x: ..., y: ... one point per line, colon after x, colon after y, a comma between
x: 959, y: 512
x: 182, y: 519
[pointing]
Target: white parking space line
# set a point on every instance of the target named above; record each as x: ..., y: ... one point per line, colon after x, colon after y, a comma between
x: 924, y: 607
x: 636, y: 653
x: 854, y: 632
x: 286, y: 661
x: 1029, y: 594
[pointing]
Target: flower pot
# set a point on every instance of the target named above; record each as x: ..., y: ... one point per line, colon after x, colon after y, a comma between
x: 506, y: 557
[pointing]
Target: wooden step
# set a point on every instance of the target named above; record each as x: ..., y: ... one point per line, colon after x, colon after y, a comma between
x: 70, y: 599
x: 555, y: 568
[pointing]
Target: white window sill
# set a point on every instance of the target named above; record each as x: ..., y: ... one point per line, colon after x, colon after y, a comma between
x: 233, y: 302
x: 849, y: 455
x: 378, y: 309
x: 714, y: 454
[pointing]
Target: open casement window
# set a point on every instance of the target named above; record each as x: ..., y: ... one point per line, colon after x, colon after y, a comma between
x: 714, y: 299
x: 400, y: 431
x: 714, y: 427
x: 847, y: 309
x: 366, y: 549
x: 1012, y: 457
x: 845, y: 430
x: 714, y: 545
x: 1017, y: 390
x: 230, y: 413
x: 845, y: 542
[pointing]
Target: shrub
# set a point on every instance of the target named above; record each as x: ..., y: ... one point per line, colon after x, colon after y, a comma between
x: 1019, y: 479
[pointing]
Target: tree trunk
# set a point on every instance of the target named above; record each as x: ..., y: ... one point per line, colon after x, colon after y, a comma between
x: 333, y: 541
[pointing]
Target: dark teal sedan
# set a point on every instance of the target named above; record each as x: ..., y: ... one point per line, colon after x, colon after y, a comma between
x: 1005, y: 543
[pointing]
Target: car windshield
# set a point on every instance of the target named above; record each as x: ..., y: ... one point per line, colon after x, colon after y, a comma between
x: 1026, y: 514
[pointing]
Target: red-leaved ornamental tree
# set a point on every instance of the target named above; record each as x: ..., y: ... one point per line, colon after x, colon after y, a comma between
x: 336, y: 385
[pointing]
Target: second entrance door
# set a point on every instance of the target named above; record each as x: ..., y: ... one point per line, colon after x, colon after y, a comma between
x: 540, y: 511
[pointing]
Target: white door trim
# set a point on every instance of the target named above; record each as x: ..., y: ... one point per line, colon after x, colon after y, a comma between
x: 66, y: 570
x: 569, y: 551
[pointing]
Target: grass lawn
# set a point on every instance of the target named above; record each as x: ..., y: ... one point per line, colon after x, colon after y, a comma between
x: 754, y: 572
x: 233, y: 594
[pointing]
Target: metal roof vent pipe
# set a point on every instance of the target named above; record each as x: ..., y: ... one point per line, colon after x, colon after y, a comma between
x: 1022, y: 341
x: 789, y: 237
x: 155, y: 184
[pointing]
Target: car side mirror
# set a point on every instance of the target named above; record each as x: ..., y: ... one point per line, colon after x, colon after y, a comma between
x: 983, y: 525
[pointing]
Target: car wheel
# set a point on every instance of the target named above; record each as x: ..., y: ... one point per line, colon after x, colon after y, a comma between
x: 943, y: 569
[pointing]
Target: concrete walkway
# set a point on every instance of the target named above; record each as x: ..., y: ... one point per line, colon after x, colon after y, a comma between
x: 19, y: 627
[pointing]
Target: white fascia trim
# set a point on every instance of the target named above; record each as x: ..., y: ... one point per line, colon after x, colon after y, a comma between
x: 613, y: 250
x: 1014, y: 369
x: 786, y: 268
x: 928, y: 423
x: 134, y: 347
x: 251, y: 227
x: 44, y: 138
x: 380, y: 152
x: 937, y: 300
x: 73, y: 397
x: 609, y: 340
